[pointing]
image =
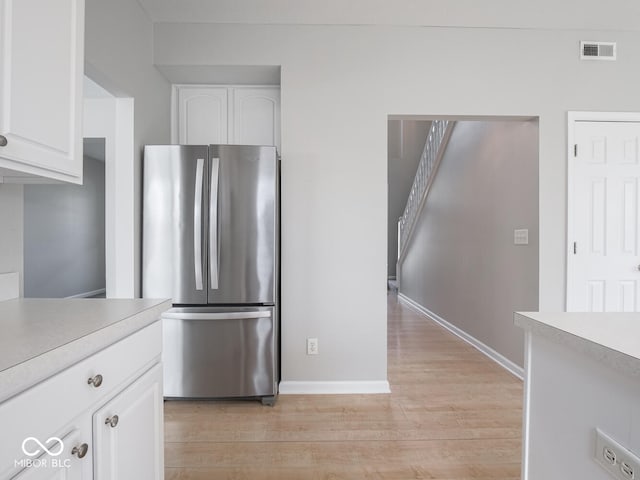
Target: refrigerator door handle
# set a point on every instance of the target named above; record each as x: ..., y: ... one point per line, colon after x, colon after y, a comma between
x: 213, y: 223
x: 215, y: 316
x: 197, y: 223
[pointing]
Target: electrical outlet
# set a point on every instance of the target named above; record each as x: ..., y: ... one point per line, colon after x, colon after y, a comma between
x: 312, y: 346
x: 521, y: 236
x: 620, y: 462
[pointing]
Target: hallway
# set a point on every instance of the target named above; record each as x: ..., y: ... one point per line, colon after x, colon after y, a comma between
x: 452, y: 414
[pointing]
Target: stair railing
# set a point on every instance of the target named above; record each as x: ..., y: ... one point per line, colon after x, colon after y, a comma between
x: 429, y: 161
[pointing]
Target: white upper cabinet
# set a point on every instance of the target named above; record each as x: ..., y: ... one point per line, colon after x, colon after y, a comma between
x: 41, y: 71
x: 202, y: 115
x: 240, y: 115
x: 256, y: 116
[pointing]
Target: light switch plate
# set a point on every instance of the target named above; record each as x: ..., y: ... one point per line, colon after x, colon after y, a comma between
x: 521, y: 236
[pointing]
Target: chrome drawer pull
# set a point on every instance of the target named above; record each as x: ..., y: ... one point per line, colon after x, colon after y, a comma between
x: 80, y: 451
x: 95, y: 381
x: 111, y: 421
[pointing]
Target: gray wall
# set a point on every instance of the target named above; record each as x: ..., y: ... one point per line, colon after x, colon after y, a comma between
x: 11, y: 251
x: 406, y: 139
x: 64, y: 236
x: 461, y: 262
x: 334, y: 176
x: 118, y: 56
x: 118, y: 53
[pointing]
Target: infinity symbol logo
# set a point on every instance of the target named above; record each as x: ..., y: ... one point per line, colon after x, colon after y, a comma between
x: 42, y: 447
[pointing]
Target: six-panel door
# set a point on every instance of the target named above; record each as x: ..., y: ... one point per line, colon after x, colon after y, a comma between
x: 604, y: 256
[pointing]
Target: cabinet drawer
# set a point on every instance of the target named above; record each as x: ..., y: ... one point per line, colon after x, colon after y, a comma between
x: 48, y: 408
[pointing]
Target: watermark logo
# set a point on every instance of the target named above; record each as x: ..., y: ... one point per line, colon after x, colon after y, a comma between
x: 31, y: 446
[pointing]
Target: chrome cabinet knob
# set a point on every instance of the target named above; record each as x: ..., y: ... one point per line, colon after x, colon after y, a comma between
x: 111, y: 421
x: 80, y: 450
x: 3, y: 141
x: 95, y: 381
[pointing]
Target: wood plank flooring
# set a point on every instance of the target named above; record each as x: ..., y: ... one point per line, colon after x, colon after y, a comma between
x: 452, y: 414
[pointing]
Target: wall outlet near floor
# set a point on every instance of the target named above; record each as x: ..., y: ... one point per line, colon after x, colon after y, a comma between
x: 312, y: 346
x: 620, y: 462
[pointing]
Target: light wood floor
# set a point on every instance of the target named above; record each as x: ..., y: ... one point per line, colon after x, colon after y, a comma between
x: 452, y: 414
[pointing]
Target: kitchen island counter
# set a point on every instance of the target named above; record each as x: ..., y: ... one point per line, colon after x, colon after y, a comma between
x: 581, y: 389
x: 41, y: 337
x: 610, y: 338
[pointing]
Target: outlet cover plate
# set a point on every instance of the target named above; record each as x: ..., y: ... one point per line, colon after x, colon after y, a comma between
x: 312, y: 346
x: 619, y: 461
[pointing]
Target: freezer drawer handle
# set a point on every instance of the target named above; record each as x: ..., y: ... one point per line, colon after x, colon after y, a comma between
x: 213, y: 223
x: 197, y: 224
x: 215, y: 316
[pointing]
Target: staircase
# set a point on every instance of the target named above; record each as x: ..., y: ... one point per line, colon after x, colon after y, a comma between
x: 430, y: 159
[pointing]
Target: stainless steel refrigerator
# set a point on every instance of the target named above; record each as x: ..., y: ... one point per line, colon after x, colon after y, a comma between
x: 211, y: 243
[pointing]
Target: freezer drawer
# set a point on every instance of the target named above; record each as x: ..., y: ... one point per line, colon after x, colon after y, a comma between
x: 219, y: 353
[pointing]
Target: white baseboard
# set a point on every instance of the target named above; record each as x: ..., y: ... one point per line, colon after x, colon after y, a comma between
x: 323, y: 388
x: 500, y: 359
x: 88, y: 294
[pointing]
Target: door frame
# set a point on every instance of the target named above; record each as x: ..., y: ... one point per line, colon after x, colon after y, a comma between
x: 574, y: 117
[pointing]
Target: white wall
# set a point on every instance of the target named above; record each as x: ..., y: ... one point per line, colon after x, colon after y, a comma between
x: 112, y: 119
x: 405, y: 142
x: 461, y: 263
x: 64, y: 236
x: 339, y: 83
x: 11, y: 230
x: 118, y: 56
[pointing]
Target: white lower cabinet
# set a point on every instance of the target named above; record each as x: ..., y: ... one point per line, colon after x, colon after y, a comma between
x: 101, y: 418
x: 69, y: 459
x: 128, y: 432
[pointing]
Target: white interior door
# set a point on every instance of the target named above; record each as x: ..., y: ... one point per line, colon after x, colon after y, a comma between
x: 603, y: 260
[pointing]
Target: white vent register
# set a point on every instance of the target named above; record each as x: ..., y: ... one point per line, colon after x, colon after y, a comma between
x: 597, y: 50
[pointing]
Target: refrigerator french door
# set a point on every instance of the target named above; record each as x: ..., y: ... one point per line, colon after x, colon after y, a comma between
x: 210, y: 242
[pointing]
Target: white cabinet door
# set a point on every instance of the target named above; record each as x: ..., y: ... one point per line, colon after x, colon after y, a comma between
x: 202, y: 115
x: 69, y: 459
x: 256, y: 116
x: 41, y: 68
x: 128, y: 432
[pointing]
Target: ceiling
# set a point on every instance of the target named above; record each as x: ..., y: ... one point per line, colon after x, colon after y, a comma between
x: 584, y: 14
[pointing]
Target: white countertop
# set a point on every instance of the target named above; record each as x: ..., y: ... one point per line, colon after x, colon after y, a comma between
x: 40, y: 337
x: 611, y: 337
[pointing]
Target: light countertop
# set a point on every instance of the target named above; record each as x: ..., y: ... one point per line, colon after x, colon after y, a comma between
x: 40, y: 337
x: 611, y: 337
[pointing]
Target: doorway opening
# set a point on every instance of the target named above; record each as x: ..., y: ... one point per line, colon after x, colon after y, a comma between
x: 64, y: 233
x: 603, y: 212
x: 471, y: 258
x: 111, y: 118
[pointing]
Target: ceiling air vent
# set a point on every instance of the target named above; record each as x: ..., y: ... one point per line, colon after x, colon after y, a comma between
x: 597, y: 50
